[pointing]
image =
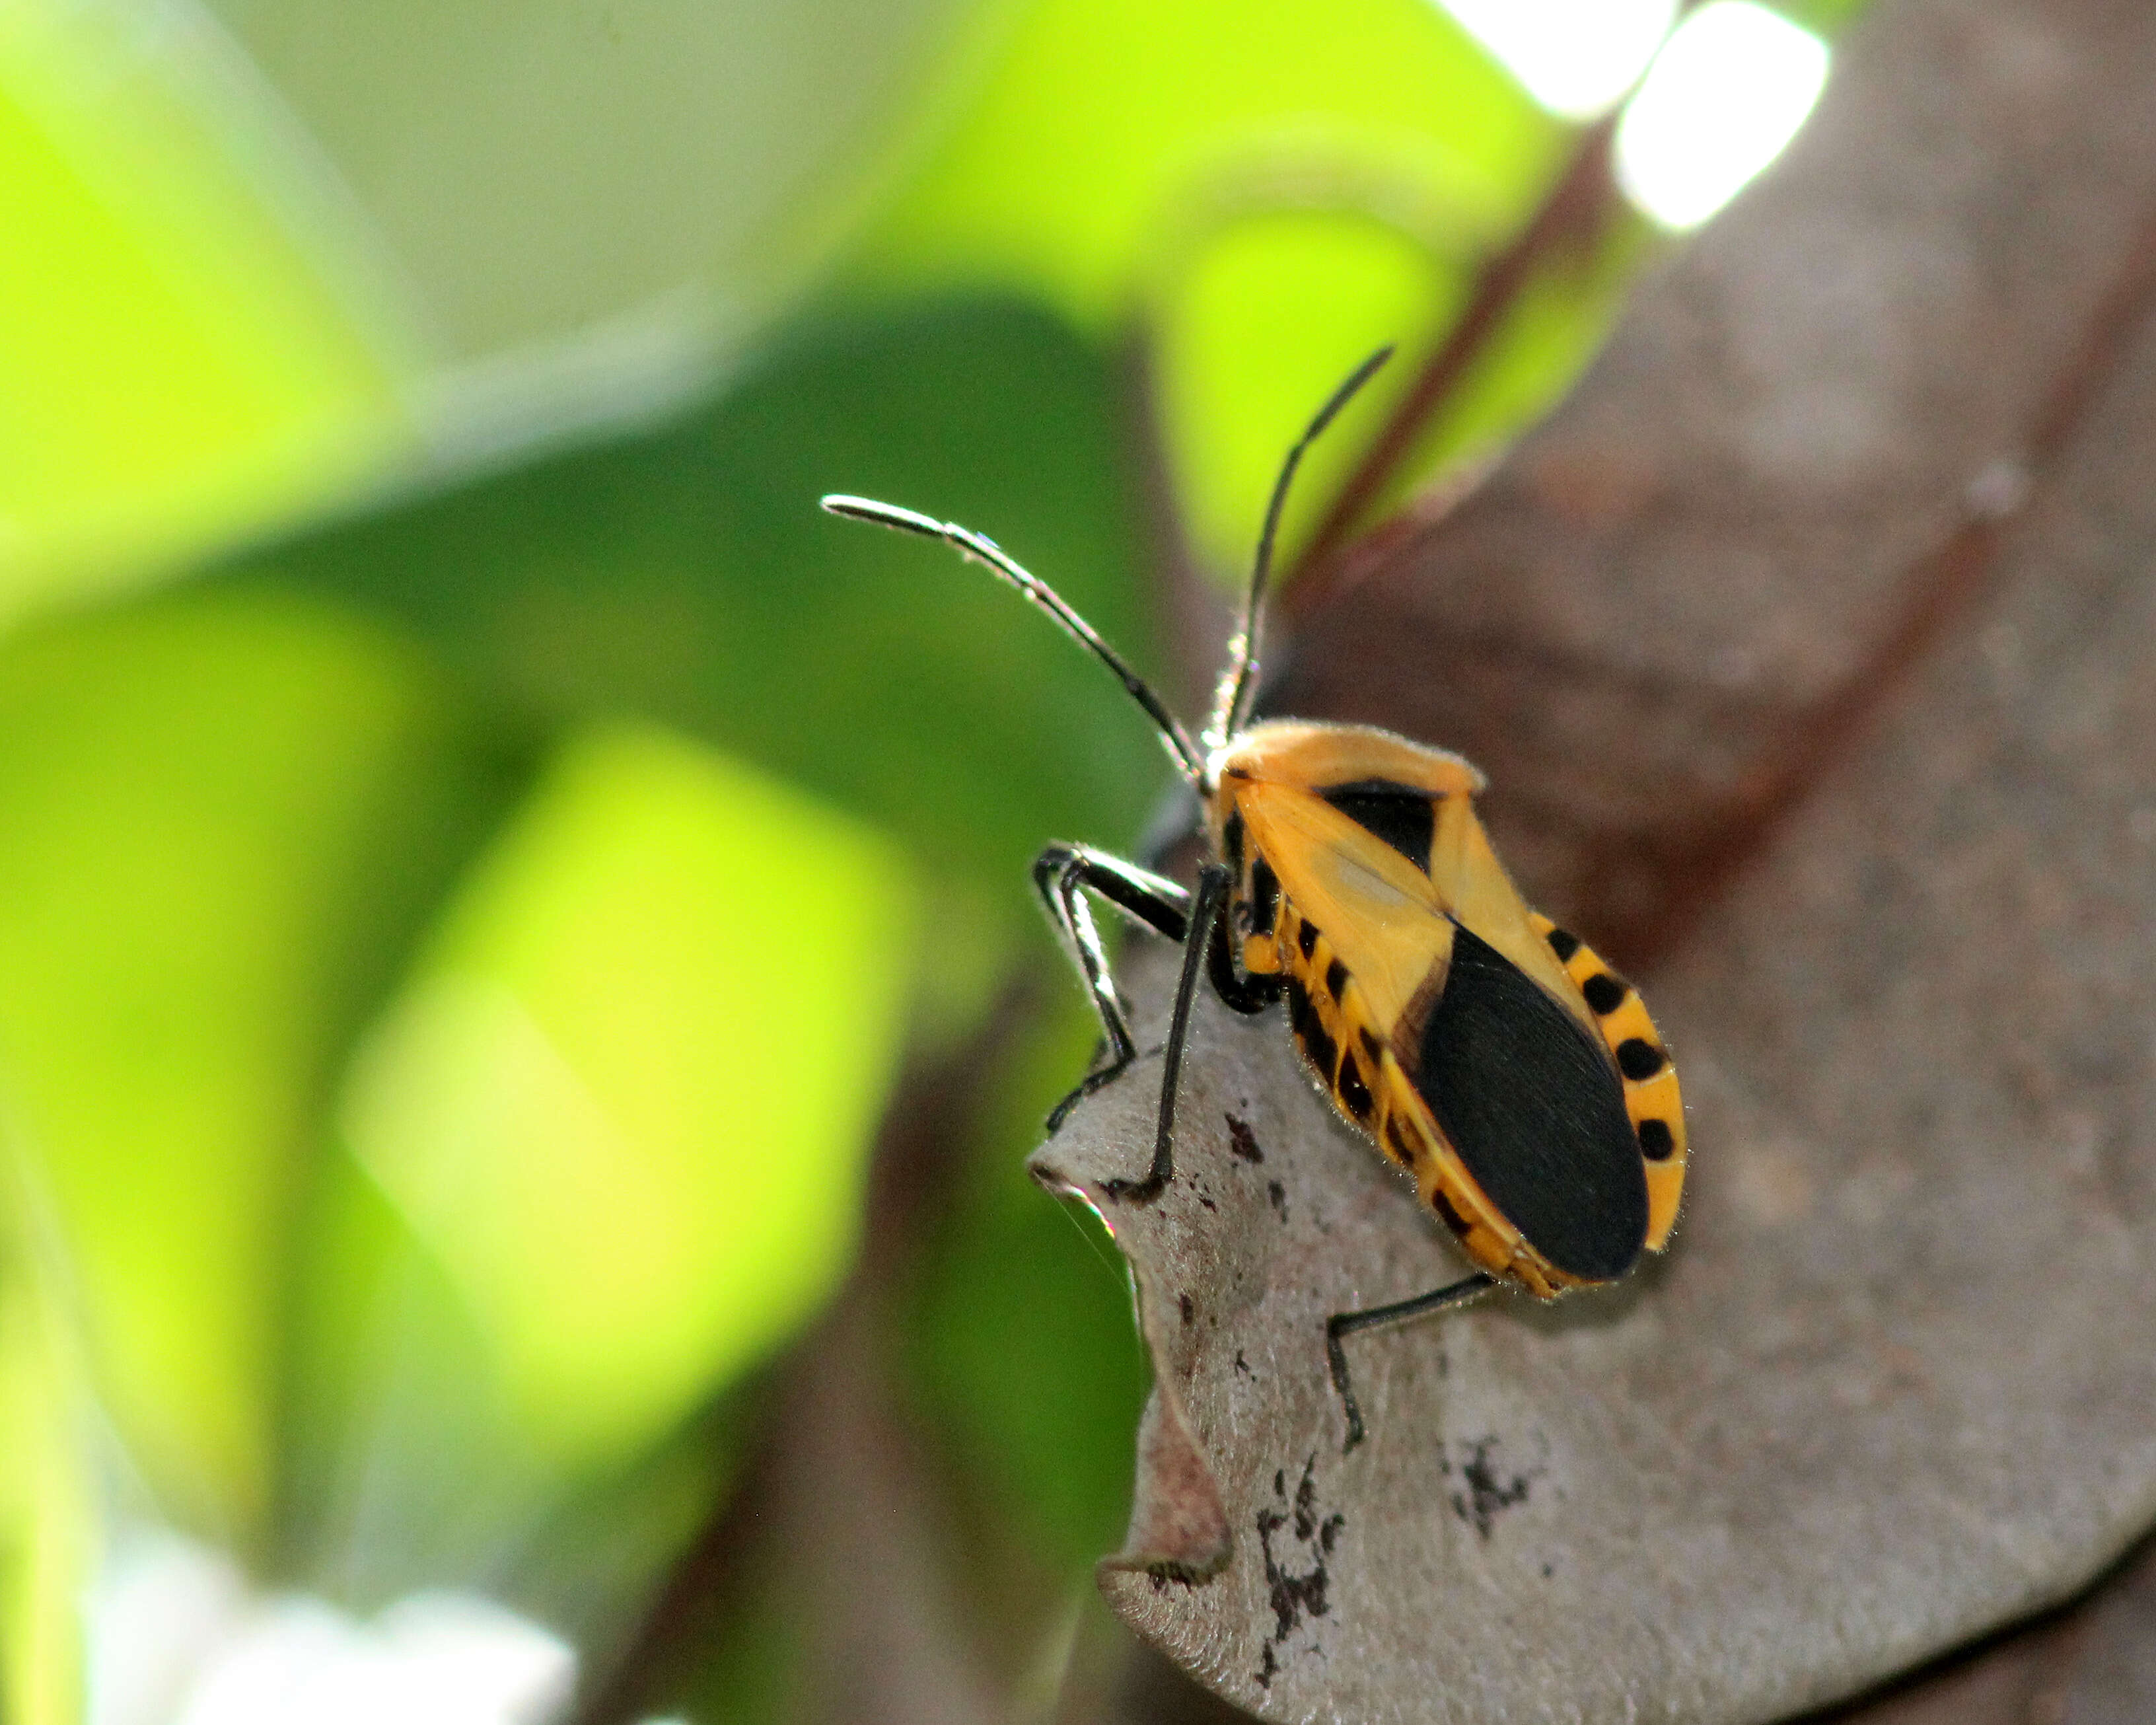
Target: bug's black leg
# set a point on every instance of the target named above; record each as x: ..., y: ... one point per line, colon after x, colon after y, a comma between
x: 1204, y: 914
x: 1062, y: 875
x: 1245, y: 993
x: 1346, y: 1323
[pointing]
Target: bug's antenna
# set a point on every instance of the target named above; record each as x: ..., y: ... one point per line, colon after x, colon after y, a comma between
x: 981, y: 549
x: 1231, y: 707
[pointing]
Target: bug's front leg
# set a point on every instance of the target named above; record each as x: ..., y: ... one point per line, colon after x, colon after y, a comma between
x: 1205, y: 914
x: 1062, y: 875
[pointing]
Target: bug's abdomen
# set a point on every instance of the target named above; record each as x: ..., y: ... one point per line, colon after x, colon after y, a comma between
x: 1352, y: 1057
x: 1529, y: 1099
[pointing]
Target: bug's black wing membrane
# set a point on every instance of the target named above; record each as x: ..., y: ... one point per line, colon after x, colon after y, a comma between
x: 1531, y: 1105
x: 1400, y: 815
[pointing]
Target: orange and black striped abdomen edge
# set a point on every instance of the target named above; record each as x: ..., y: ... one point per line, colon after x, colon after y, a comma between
x: 1651, y: 1097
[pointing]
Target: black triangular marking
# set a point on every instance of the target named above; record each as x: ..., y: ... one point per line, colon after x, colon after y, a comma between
x: 1399, y: 814
x: 1530, y: 1103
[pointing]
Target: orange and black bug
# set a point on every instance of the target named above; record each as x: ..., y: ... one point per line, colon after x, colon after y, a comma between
x: 1485, y: 1050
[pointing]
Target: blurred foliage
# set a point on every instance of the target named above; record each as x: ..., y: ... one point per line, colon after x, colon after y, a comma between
x: 455, y: 948
x: 174, y: 360
x: 509, y: 168
x: 686, y: 573
x: 223, y: 819
x: 1273, y: 191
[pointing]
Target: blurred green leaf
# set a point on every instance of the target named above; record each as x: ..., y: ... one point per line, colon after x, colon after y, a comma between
x: 1108, y: 136
x: 408, y: 1466
x: 1827, y: 18
x: 179, y: 360
x: 46, y: 1530
x: 560, y: 174
x: 686, y: 575
x: 225, y: 816
x: 1021, y: 1330
x: 1275, y: 191
x: 403, y: 1467
x: 1552, y: 332
x: 626, y: 1096
x: 607, y: 1149
x: 1272, y: 316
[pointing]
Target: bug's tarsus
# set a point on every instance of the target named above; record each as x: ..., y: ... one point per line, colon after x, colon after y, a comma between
x: 1204, y: 914
x: 1239, y: 683
x: 1344, y: 1324
x: 1062, y: 875
x: 984, y: 551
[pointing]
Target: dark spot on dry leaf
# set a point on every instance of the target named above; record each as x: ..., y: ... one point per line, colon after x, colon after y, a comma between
x: 1188, y: 1306
x: 1278, y: 1194
x: 1485, y: 1491
x: 1243, y: 1141
x: 1299, y: 1592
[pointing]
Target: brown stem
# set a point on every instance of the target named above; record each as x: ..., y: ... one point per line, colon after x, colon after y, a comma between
x: 1570, y: 217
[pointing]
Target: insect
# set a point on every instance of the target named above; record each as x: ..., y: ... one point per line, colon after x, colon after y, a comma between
x: 1486, y: 1051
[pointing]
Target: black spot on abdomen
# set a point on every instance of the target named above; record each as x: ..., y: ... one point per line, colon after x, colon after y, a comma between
x: 1353, y: 1091
x: 1319, y: 1048
x: 1530, y: 1104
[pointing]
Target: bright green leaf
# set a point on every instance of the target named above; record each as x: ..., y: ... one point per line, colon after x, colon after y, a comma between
x: 627, y: 1096
x: 1315, y: 293
x: 46, y: 1531
x: 1110, y: 137
x: 222, y: 819
x: 182, y: 358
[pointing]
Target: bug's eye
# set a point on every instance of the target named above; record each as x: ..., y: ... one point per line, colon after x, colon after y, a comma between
x: 1399, y: 815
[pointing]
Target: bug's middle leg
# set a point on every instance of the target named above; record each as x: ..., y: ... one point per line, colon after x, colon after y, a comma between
x: 1062, y: 875
x: 1346, y: 1323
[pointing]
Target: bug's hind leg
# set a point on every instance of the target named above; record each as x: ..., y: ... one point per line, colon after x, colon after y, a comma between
x: 1342, y: 1324
x: 1204, y: 913
x: 1062, y: 875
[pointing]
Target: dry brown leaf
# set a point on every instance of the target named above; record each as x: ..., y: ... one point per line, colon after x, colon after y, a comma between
x: 1769, y: 685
